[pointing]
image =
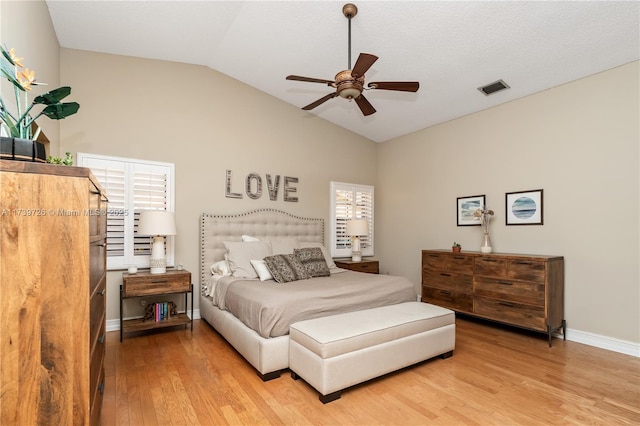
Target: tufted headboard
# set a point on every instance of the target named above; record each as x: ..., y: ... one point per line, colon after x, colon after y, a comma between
x: 262, y: 224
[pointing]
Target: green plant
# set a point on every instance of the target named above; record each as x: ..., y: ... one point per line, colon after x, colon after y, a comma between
x: 19, y: 125
x: 455, y: 245
x: 67, y: 161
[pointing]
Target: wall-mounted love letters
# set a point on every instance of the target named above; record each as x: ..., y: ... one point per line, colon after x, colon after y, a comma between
x: 253, y: 187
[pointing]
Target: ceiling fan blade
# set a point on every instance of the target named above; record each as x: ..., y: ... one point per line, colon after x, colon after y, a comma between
x: 402, y: 86
x: 310, y: 80
x: 320, y: 101
x: 365, y: 106
x: 364, y: 62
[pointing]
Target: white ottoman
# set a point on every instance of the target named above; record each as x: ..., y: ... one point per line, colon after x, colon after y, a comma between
x: 335, y: 352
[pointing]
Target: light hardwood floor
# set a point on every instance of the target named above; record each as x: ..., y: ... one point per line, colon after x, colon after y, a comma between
x: 497, y: 376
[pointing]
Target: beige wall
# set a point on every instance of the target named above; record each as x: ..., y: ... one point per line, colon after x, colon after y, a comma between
x: 26, y: 26
x: 579, y: 142
x: 205, y: 123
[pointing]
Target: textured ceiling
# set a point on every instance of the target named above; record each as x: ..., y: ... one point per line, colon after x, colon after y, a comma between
x: 450, y: 47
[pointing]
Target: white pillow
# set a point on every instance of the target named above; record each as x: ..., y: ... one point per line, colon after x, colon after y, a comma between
x: 220, y: 268
x: 249, y: 239
x: 239, y: 256
x: 330, y: 263
x: 261, y: 269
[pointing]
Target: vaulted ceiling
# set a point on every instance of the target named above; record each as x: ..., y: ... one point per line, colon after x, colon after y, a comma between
x: 450, y: 47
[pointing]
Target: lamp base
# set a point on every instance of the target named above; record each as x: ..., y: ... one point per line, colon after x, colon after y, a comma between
x: 158, y: 261
x: 158, y: 266
x: 356, y: 256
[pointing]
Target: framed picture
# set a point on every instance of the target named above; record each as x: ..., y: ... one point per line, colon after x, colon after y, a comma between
x: 524, y: 207
x: 466, y: 206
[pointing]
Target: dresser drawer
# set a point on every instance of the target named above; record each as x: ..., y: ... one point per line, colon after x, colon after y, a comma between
x: 97, y: 394
x: 462, y: 302
x: 448, y: 262
x: 97, y: 310
x: 527, y: 270
x: 516, y: 269
x: 96, y: 364
x: 148, y: 284
x: 97, y: 212
x: 448, y: 281
x: 509, y: 290
x: 513, y: 313
x: 97, y: 263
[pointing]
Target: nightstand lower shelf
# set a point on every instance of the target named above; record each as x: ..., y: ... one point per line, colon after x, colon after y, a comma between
x: 139, y: 324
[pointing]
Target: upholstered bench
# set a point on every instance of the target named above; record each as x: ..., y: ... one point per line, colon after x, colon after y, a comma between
x: 335, y: 352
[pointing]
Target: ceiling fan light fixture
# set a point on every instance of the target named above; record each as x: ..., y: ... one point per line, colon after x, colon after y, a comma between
x: 350, y: 93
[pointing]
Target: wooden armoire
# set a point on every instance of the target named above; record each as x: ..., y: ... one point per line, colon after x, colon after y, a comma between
x: 52, y: 294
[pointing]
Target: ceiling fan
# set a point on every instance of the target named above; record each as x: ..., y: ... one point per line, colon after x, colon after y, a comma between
x: 349, y: 84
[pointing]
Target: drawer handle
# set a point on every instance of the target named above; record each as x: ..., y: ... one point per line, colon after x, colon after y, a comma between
x: 101, y: 339
x: 101, y: 387
x: 459, y: 257
x: 446, y: 292
x: 489, y: 260
x: 510, y: 305
x: 445, y: 275
x: 505, y: 283
x: 159, y: 282
x: 521, y: 262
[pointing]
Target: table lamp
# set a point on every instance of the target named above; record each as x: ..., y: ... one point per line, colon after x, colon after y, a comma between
x: 357, y: 228
x: 157, y: 223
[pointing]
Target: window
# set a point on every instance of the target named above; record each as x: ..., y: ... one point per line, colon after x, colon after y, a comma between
x: 132, y: 186
x: 350, y: 201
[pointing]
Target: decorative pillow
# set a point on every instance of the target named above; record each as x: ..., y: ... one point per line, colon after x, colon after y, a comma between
x: 249, y: 239
x: 283, y: 245
x: 330, y: 263
x: 220, y: 268
x: 286, y: 268
x: 239, y: 256
x: 261, y: 269
x: 313, y: 260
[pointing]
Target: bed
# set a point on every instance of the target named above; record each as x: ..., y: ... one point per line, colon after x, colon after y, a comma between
x: 254, y: 315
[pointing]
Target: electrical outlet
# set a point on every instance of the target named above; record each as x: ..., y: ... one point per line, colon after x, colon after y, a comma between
x: 143, y: 303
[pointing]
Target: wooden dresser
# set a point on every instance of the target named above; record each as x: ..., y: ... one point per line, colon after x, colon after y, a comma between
x: 52, y: 294
x: 517, y: 289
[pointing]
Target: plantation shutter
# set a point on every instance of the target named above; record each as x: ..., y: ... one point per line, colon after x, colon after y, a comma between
x: 132, y: 186
x: 350, y: 201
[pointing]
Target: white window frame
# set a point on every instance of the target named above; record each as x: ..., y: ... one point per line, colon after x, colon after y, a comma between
x: 359, y: 205
x: 128, y: 204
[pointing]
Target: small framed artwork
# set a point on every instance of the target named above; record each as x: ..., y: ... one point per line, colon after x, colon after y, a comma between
x: 466, y: 206
x: 524, y: 207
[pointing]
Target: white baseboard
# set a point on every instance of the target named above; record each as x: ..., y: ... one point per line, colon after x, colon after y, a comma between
x: 114, y: 324
x: 604, y: 342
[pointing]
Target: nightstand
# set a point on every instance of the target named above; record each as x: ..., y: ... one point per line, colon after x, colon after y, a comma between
x: 369, y: 266
x: 146, y: 284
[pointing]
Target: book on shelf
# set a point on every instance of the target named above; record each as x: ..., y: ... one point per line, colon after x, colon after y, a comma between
x: 161, y: 311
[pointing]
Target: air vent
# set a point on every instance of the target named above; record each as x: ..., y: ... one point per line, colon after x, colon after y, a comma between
x: 494, y: 87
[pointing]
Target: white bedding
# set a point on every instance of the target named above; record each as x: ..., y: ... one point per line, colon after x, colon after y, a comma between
x: 269, y: 307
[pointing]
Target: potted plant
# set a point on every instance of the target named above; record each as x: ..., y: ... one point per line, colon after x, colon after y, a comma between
x: 456, y: 248
x: 20, y: 127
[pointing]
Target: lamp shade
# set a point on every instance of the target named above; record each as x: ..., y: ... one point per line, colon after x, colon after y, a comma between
x: 357, y: 227
x: 156, y: 222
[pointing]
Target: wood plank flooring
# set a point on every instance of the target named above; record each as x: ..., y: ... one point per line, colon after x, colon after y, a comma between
x: 497, y: 376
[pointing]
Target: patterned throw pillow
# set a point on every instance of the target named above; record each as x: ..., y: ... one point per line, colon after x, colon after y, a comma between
x: 313, y: 260
x: 286, y: 268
